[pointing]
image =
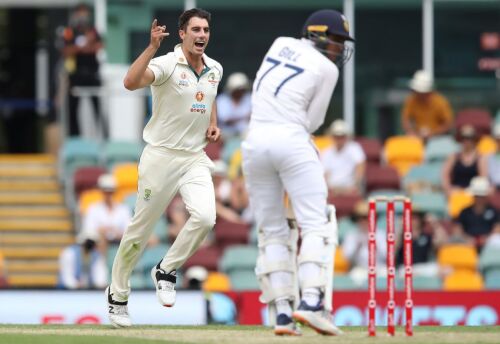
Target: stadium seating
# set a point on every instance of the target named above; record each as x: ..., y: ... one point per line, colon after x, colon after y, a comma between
x: 78, y: 152
x: 345, y: 226
x: 89, y: 197
x: 344, y: 204
x: 217, y: 282
x: 486, y: 145
x: 458, y: 256
x: 207, y: 256
x: 344, y: 282
x: 121, y: 151
x: 238, y: 257
x: 402, y: 152
x: 489, y: 259
x: 238, y: 262
x: 426, y: 176
x: 440, y: 147
x: 458, y: 201
x: 323, y: 142
x: 430, y: 202
x: 230, y: 233
x: 85, y: 178
x: 381, y: 177
x: 341, y: 263
x: 480, y: 119
x: 126, y: 176
x: 492, y: 279
x: 427, y: 283
x: 372, y: 148
x: 150, y: 257
x: 463, y: 280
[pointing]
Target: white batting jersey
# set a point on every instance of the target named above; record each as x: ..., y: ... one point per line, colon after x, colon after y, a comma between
x: 293, y: 85
x: 182, y: 102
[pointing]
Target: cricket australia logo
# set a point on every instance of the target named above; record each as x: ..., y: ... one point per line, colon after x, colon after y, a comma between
x: 147, y: 194
x: 212, y: 80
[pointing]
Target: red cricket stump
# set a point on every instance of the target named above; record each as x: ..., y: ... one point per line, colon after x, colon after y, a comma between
x: 391, y: 265
x: 372, y: 249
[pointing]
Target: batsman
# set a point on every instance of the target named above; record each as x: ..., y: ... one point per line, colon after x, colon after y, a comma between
x: 291, y: 93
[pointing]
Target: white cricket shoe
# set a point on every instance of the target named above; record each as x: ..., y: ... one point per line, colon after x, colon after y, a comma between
x: 117, y: 312
x: 317, y: 319
x: 165, y: 285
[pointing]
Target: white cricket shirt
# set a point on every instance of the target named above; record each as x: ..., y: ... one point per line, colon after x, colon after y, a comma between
x: 182, y: 103
x: 293, y: 86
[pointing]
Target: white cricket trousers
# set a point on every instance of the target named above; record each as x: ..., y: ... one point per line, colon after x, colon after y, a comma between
x: 163, y: 173
x: 276, y: 159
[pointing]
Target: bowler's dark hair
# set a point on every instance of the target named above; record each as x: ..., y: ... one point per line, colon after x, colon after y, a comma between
x: 194, y: 12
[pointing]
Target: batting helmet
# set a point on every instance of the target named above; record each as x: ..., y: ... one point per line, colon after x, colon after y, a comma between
x: 328, y: 22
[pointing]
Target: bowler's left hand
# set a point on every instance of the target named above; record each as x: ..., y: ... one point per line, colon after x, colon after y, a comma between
x: 213, y: 133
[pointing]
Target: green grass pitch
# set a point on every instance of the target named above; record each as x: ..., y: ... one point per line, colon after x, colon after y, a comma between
x: 105, y: 334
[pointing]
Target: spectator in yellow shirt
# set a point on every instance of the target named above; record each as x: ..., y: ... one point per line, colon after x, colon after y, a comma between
x: 426, y: 112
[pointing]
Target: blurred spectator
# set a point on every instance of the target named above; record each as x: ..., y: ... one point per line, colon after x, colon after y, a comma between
x: 106, y: 220
x: 3, y: 272
x: 477, y: 223
x: 194, y: 277
x: 81, y: 45
x: 425, y: 112
x: 428, y: 236
x: 345, y: 162
x: 355, y: 246
x: 177, y: 215
x: 459, y: 168
x: 234, y: 105
x: 238, y: 199
x: 492, y: 161
x: 83, y: 265
x: 223, y: 193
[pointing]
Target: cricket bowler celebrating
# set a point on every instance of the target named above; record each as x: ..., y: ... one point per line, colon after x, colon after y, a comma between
x: 183, y: 86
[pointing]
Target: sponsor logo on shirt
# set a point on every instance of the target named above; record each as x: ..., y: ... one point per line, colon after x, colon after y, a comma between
x: 199, y: 96
x: 212, y: 80
x: 197, y: 107
x: 183, y: 82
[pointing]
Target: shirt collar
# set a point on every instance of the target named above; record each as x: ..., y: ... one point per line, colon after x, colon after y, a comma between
x: 180, y: 58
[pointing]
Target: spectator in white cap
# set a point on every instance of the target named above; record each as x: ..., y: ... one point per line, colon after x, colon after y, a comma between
x: 82, y: 265
x: 344, y: 162
x: 491, y: 162
x: 234, y: 105
x: 107, y: 219
x: 478, y: 222
x: 425, y: 112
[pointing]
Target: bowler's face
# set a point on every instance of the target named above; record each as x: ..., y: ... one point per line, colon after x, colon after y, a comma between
x: 195, y: 37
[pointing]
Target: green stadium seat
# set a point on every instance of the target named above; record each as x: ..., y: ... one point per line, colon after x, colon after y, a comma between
x: 345, y: 225
x: 430, y: 202
x: 150, y: 257
x: 78, y: 152
x: 344, y: 282
x: 440, y: 147
x: 238, y: 257
x: 489, y: 259
x: 423, y: 177
x: 138, y: 281
x: 161, y: 229
x: 427, y: 283
x: 492, y: 279
x: 122, y: 151
x: 243, y: 280
x: 110, y: 255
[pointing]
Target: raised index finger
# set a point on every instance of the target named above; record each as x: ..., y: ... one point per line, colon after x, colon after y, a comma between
x: 153, y: 26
